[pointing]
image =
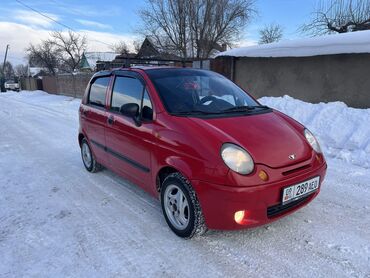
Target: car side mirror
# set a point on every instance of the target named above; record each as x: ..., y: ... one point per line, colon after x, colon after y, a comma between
x: 131, y: 110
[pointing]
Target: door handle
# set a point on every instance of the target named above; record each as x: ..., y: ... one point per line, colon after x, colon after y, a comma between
x: 110, y: 120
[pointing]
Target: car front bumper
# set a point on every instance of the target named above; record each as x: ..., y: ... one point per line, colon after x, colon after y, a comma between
x: 12, y: 88
x: 261, y: 203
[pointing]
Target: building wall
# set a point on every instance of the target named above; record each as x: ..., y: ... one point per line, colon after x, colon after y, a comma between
x: 343, y: 77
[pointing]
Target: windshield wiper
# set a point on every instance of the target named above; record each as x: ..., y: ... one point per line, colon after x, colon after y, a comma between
x: 244, y: 108
x: 195, y: 112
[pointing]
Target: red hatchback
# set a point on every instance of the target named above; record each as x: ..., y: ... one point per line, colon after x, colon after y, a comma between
x: 214, y: 156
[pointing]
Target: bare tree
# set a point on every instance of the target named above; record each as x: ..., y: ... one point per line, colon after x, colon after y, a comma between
x: 193, y: 28
x: 121, y: 47
x: 71, y: 46
x: 44, y: 55
x: 164, y: 22
x: 339, y: 16
x: 7, y: 71
x: 271, y: 33
x: 21, y: 70
x: 137, y: 45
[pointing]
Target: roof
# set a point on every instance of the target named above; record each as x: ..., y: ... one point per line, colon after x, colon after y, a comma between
x: 34, y: 70
x: 147, y: 49
x: 92, y: 57
x: 354, y: 42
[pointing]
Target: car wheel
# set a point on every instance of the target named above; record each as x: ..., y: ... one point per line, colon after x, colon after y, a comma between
x: 87, y: 158
x: 181, y: 207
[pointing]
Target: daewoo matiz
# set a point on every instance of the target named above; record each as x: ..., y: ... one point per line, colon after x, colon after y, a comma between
x: 214, y: 156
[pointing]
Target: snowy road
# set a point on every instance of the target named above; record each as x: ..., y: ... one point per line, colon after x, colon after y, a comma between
x: 57, y: 220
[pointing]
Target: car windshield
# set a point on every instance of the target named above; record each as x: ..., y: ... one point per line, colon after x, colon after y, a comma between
x: 193, y: 91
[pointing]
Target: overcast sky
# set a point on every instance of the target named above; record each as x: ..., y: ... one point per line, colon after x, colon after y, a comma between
x: 107, y: 22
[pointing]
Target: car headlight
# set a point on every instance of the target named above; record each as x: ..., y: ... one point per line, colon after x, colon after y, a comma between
x: 311, y: 139
x: 237, y: 159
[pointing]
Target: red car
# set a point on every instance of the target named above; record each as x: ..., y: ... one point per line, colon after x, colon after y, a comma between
x: 214, y: 156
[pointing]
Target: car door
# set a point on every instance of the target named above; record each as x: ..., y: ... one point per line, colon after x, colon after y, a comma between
x: 94, y: 117
x: 130, y: 144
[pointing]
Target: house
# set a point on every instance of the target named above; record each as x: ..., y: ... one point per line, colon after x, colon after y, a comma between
x: 89, y: 60
x: 326, y: 68
x: 36, y: 72
x: 149, y: 54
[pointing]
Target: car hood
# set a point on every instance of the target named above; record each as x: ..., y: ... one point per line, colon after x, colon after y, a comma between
x: 268, y: 137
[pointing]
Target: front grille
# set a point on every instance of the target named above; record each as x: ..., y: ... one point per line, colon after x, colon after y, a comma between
x: 296, y: 170
x: 280, y: 208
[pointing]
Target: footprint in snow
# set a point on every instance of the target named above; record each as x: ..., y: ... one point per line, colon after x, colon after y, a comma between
x: 339, y: 248
x: 62, y: 214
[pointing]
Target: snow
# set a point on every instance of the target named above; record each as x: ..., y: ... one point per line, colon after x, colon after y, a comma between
x: 354, y: 42
x: 58, y: 220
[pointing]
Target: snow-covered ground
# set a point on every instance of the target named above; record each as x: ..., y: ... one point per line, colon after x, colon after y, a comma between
x: 57, y: 220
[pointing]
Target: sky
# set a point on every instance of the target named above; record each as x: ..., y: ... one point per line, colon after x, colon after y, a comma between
x: 107, y: 22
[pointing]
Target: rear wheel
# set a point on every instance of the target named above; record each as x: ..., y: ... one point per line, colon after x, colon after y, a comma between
x: 181, y: 207
x: 87, y: 157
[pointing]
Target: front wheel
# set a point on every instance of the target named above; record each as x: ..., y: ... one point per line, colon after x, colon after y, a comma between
x: 181, y: 207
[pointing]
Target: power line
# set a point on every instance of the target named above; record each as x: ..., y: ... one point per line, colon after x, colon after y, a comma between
x: 44, y: 15
x: 57, y: 22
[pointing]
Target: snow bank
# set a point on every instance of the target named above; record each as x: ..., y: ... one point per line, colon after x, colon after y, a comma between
x: 343, y: 132
x: 355, y: 42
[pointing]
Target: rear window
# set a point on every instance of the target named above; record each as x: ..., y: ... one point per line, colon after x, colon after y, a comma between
x: 98, y: 90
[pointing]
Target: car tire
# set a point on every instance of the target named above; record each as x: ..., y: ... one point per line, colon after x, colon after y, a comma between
x: 88, y: 158
x: 186, y: 221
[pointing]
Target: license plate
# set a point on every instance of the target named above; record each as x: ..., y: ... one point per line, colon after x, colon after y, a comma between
x: 297, y: 191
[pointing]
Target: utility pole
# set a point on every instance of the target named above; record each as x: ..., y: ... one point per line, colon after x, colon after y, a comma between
x: 2, y: 79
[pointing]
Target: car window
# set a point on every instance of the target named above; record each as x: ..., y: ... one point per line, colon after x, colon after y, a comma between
x: 98, y: 90
x: 147, y: 113
x: 126, y: 90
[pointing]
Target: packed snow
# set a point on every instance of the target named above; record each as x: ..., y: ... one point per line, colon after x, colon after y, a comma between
x: 354, y: 42
x: 58, y: 220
